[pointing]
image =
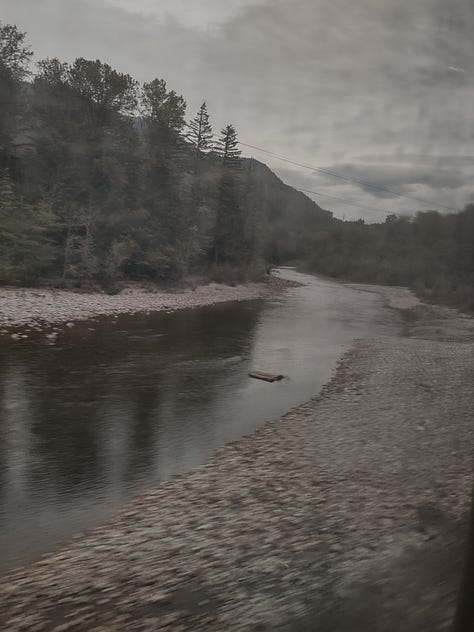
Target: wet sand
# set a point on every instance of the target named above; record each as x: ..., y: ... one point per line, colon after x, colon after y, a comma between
x: 348, y: 513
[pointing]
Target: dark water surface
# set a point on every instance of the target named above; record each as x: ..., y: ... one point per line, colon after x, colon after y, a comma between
x: 116, y: 405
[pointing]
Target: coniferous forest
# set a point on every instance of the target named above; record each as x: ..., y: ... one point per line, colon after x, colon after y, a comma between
x: 103, y: 179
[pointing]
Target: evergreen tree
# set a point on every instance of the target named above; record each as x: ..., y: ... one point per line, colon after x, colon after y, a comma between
x: 227, y: 147
x: 200, y: 134
x: 229, y: 221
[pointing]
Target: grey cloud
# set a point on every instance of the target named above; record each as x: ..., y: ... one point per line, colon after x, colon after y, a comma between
x: 133, y: 43
x: 203, y: 14
x: 397, y: 178
x: 416, y: 159
x: 429, y: 195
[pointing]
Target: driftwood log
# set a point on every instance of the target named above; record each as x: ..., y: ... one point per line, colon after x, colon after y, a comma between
x: 267, y: 377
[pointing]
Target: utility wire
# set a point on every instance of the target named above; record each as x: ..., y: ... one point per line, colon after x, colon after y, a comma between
x: 333, y: 174
x: 344, y: 201
x: 339, y: 199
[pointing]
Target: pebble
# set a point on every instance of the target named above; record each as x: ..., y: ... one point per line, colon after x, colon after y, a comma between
x: 38, y: 309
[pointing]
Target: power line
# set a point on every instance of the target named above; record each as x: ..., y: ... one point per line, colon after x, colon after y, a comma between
x: 333, y: 174
x: 344, y: 201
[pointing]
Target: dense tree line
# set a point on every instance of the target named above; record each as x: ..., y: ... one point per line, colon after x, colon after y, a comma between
x: 430, y: 252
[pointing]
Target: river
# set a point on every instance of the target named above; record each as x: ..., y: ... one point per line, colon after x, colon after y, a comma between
x: 116, y: 405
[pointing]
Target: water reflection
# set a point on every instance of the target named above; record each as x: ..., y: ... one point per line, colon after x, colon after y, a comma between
x: 116, y: 405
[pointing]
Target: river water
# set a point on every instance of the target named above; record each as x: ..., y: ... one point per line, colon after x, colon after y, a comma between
x: 116, y: 405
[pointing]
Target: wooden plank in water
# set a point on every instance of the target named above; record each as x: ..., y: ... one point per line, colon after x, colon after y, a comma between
x: 267, y: 377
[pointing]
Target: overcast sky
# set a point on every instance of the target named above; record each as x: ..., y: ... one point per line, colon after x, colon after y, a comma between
x: 377, y: 90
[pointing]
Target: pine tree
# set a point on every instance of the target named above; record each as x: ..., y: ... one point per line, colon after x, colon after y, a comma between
x: 200, y: 133
x: 227, y: 147
x: 229, y: 219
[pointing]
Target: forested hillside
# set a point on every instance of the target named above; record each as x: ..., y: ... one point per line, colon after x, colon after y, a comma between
x: 103, y: 179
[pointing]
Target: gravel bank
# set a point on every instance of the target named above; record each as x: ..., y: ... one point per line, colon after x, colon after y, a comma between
x: 346, y: 514
x: 40, y: 308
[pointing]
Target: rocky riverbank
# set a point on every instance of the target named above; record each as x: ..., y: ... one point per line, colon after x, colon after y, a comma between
x: 346, y: 514
x: 40, y: 308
